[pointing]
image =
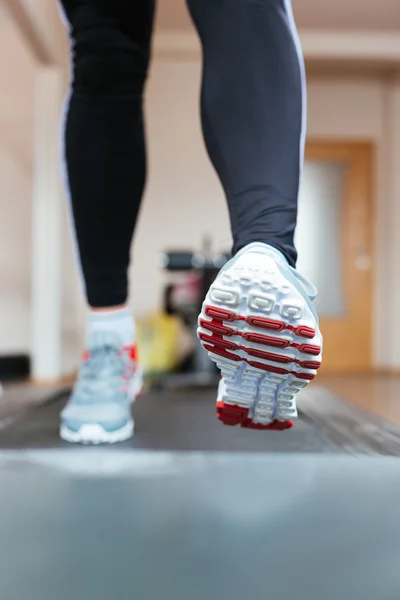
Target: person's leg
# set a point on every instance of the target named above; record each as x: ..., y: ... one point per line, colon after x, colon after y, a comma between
x: 253, y: 114
x: 104, y: 137
x: 106, y: 167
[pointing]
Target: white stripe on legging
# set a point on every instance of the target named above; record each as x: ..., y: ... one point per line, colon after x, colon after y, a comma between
x: 63, y: 166
x: 296, y: 39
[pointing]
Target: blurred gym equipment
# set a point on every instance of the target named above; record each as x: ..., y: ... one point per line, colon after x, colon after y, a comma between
x: 203, y: 372
x: 14, y: 367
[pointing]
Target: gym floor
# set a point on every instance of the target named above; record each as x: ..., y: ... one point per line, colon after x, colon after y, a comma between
x: 376, y: 393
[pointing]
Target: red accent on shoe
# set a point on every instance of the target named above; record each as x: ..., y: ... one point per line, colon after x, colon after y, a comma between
x: 231, y: 414
x: 217, y: 344
x: 269, y: 356
x: 222, y: 352
x: 221, y: 315
x: 269, y: 368
x: 256, y: 338
x: 307, y: 349
x: 216, y: 327
x: 218, y: 341
x: 306, y: 332
x: 257, y: 365
x: 310, y: 364
x: 220, y: 347
x: 306, y: 376
x: 266, y: 323
x: 132, y: 351
x: 85, y: 355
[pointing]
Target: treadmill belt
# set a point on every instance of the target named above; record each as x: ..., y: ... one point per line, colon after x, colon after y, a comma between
x: 172, y: 421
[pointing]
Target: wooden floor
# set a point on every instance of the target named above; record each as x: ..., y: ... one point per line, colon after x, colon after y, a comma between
x: 379, y: 394
x: 16, y: 397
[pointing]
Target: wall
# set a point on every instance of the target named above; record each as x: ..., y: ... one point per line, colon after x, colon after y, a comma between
x: 365, y: 15
x: 16, y: 138
x: 17, y: 73
x: 184, y: 200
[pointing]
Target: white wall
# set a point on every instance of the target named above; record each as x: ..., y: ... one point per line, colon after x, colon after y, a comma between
x: 17, y: 73
x: 184, y: 199
x: 16, y: 136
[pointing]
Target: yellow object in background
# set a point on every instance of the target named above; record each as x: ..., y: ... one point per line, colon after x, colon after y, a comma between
x: 163, y: 343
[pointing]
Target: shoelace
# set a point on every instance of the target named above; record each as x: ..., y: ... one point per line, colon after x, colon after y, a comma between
x: 101, y: 374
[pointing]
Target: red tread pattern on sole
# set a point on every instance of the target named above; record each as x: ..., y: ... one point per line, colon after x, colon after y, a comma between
x: 216, y: 327
x: 257, y: 338
x: 308, y: 349
x: 222, y: 352
x: 219, y: 315
x: 233, y: 415
x: 217, y: 345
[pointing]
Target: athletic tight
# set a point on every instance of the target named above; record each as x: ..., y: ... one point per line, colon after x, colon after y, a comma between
x: 252, y: 107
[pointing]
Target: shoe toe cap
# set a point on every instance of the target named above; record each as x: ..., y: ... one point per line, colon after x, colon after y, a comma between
x: 110, y: 417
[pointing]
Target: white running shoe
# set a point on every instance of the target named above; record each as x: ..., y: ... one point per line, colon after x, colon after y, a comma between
x: 99, y: 410
x: 260, y: 326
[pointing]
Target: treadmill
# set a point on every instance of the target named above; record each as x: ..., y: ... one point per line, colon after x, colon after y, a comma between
x: 191, y: 509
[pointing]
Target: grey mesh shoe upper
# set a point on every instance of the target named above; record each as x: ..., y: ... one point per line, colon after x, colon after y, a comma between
x: 102, y: 391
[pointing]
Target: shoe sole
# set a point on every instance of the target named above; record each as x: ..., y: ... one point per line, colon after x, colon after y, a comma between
x: 259, y: 330
x: 95, y: 434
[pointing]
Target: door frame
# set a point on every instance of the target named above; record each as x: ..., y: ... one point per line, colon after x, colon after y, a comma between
x: 360, y: 156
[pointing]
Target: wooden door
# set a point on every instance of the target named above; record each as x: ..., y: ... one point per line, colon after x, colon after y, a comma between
x: 334, y: 241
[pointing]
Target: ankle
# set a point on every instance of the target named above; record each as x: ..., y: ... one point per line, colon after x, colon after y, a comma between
x: 108, y: 309
x: 115, y: 320
x: 264, y: 248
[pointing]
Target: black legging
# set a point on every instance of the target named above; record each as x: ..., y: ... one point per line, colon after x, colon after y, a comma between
x: 252, y: 109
